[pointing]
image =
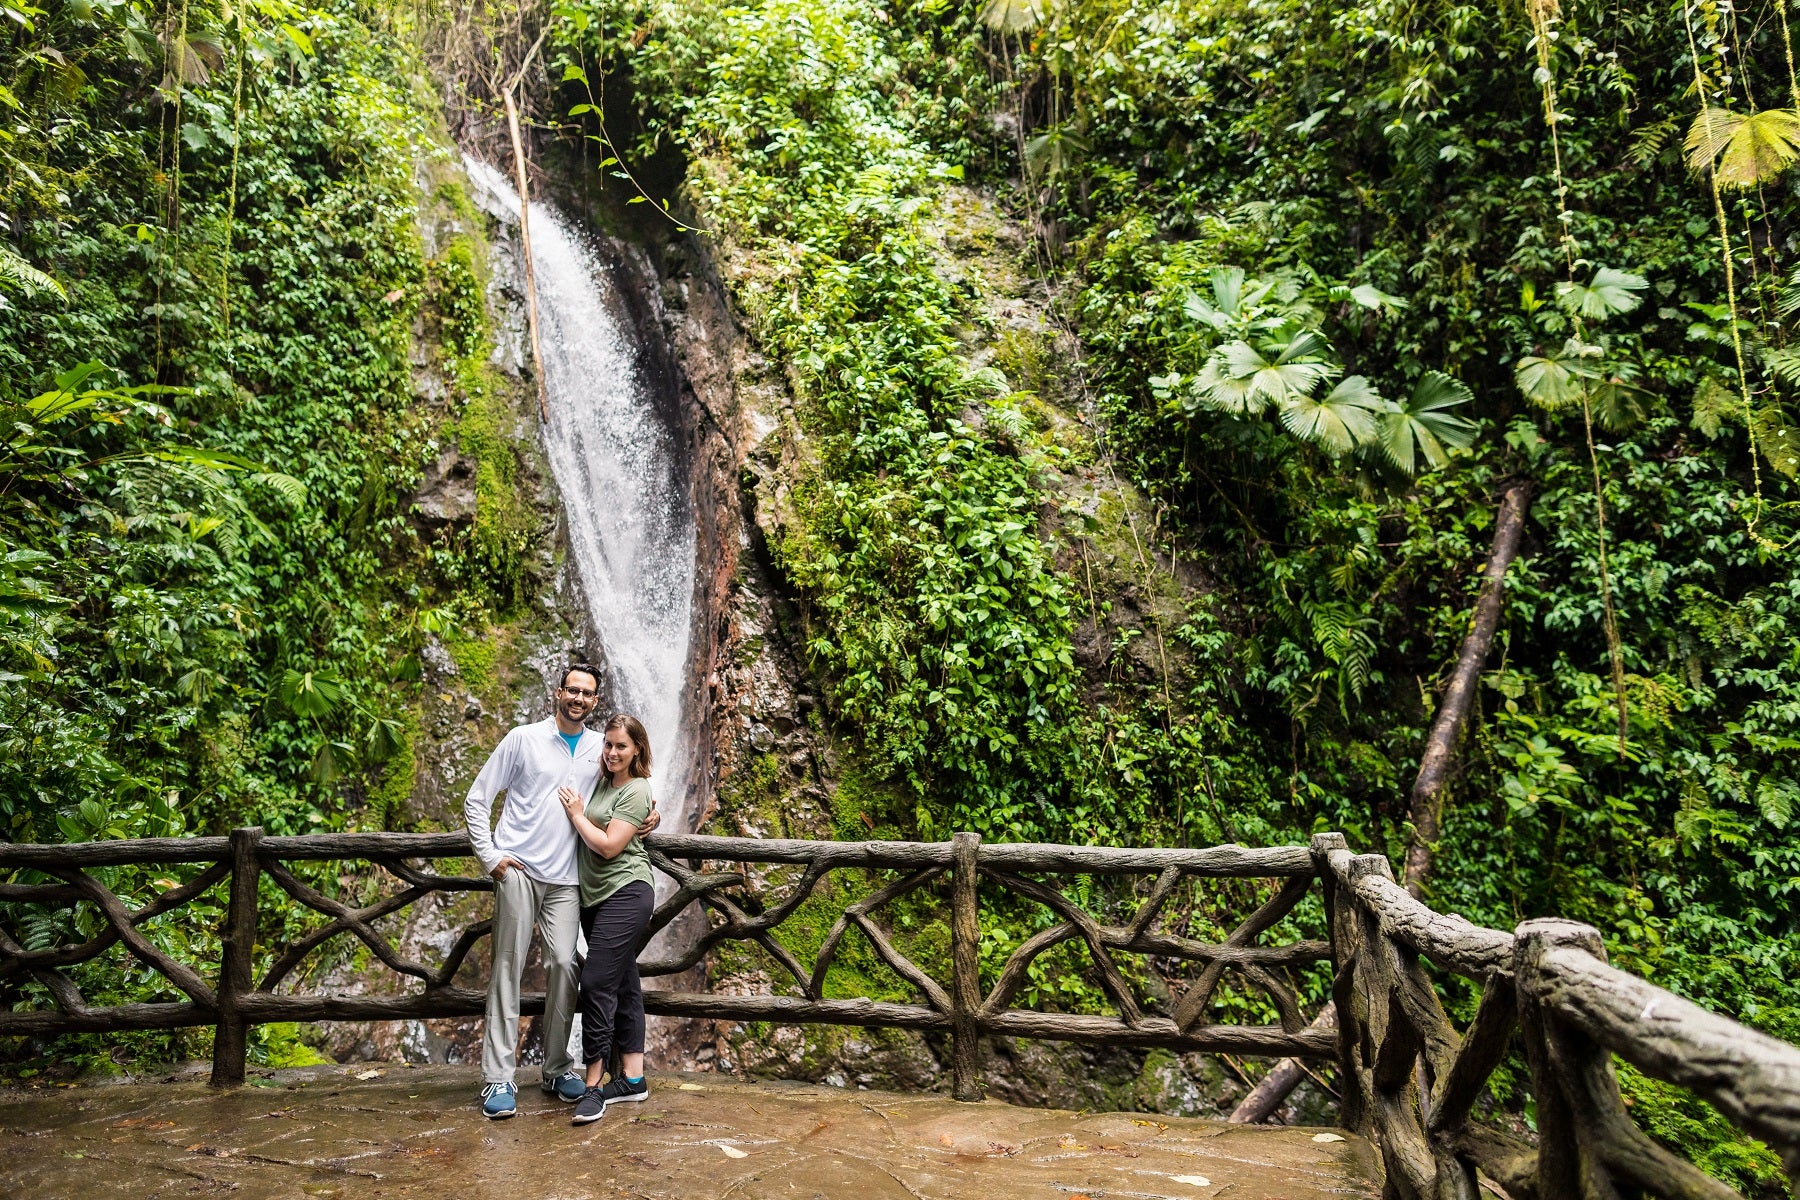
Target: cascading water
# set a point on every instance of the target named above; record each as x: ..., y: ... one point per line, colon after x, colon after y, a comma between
x: 630, y: 519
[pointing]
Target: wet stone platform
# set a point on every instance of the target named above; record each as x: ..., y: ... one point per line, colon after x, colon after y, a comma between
x: 392, y: 1131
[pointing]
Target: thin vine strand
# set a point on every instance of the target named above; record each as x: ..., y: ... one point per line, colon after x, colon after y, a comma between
x: 1565, y: 220
x: 237, y: 114
x: 1787, y: 44
x: 1737, y: 337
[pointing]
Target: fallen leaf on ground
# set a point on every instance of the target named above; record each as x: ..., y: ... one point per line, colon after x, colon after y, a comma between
x: 1159, y: 1126
x: 1192, y: 1180
x: 369, y: 1074
x: 691, y: 1087
x: 1068, y: 1143
x: 946, y: 1139
x: 1327, y: 1137
x: 734, y: 1152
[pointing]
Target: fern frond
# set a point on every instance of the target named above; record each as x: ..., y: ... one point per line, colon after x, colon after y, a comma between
x: 19, y: 275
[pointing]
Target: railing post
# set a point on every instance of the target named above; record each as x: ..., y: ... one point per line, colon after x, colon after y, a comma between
x: 230, y: 1037
x: 1342, y: 926
x: 1560, y: 1151
x: 965, y: 953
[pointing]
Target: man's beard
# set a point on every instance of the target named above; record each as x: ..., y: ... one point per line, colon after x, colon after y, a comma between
x: 579, y: 718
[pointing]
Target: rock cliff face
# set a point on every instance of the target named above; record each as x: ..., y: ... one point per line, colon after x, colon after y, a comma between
x: 767, y: 762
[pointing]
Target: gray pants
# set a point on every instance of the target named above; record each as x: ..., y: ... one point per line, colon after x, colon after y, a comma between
x: 519, y: 902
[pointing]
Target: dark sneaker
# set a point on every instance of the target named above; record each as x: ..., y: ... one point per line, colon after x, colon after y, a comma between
x: 499, y: 1100
x: 567, y: 1087
x: 623, y: 1091
x: 591, y: 1107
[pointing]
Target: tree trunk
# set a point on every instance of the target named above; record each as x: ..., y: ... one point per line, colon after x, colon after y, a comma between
x: 1425, y: 804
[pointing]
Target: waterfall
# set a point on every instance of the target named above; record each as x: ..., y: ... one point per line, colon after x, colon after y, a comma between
x: 630, y: 518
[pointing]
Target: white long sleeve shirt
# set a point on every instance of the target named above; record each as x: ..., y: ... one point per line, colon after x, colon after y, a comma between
x: 529, y: 765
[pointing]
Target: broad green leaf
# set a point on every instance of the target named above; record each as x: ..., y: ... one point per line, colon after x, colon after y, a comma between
x: 1714, y: 404
x: 311, y: 694
x: 76, y: 375
x: 330, y: 762
x: 300, y: 39
x: 1338, y: 423
x: 1561, y: 379
x: 1215, y: 388
x: 212, y: 460
x: 1615, y: 403
x: 1609, y: 292
x: 1424, y: 424
x: 1370, y: 296
x: 1013, y: 16
x: 1744, y: 149
x: 1295, y: 371
x: 383, y: 738
x: 573, y: 73
x: 1779, y: 440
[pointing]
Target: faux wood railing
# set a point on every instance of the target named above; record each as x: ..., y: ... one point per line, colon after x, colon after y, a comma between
x: 1410, y: 1080
x: 739, y: 912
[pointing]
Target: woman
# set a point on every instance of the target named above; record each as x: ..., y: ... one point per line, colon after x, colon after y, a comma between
x: 616, y: 899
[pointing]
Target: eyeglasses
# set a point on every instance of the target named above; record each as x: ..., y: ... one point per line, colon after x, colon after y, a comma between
x: 580, y: 693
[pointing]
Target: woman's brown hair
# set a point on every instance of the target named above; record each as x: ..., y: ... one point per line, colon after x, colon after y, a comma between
x: 640, y: 741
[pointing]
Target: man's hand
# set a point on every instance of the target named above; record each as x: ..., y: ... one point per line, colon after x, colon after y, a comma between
x: 505, y: 865
x: 651, y: 821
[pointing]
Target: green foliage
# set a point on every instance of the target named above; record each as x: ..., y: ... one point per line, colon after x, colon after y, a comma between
x: 936, y: 615
x: 209, y: 582
x: 1376, y: 216
x: 1696, y: 1131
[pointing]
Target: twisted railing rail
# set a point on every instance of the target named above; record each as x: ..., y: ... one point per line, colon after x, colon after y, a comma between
x: 1410, y: 1081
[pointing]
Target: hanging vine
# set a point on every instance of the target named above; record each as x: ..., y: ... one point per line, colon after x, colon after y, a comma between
x: 1543, y: 13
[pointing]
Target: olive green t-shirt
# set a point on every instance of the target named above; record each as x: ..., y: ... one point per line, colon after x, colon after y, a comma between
x: 601, y: 877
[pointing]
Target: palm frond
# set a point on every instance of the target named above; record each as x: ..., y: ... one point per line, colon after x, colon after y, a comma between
x: 1608, y: 293
x: 1743, y: 149
x: 1340, y: 421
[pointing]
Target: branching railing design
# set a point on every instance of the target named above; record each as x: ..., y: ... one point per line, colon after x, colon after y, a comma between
x: 1410, y: 1080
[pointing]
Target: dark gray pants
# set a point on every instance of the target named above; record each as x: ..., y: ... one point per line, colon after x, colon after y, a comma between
x: 612, y: 999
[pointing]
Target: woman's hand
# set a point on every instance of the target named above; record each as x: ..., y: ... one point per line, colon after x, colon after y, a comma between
x: 572, y: 803
x: 651, y: 821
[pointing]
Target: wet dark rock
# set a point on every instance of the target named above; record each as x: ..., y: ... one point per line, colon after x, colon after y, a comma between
x: 446, y: 496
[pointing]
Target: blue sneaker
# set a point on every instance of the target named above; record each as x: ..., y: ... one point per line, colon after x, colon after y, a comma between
x: 499, y: 1100
x: 567, y: 1087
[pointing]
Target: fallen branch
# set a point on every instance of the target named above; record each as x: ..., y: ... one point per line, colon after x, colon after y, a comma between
x: 1274, y: 1088
x: 1425, y: 805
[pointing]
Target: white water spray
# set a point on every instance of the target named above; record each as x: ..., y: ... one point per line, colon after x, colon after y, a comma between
x: 630, y: 521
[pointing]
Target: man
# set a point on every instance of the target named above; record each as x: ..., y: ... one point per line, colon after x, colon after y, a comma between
x: 531, y: 855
